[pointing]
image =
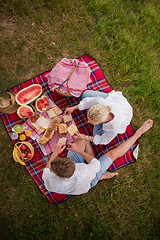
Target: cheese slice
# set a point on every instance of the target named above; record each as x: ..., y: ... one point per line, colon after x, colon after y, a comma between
x: 67, y: 118
x: 62, y: 140
x: 42, y: 122
x: 62, y: 128
x: 40, y: 129
x: 72, y: 129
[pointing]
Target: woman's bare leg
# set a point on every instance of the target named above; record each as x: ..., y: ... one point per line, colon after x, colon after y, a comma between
x: 108, y: 175
x: 81, y: 143
x: 125, y: 146
x: 89, y: 149
x: 85, y: 146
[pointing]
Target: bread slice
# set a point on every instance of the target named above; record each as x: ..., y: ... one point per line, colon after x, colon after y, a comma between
x: 53, y: 112
x: 50, y: 131
x: 72, y: 129
x: 55, y: 123
x: 62, y: 128
x: 43, y: 141
x: 62, y: 140
x: 67, y: 118
x: 56, y: 110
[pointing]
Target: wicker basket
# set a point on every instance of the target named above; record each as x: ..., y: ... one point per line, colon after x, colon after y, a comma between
x: 8, y: 103
x: 28, y: 145
x: 58, y: 90
x: 67, y: 94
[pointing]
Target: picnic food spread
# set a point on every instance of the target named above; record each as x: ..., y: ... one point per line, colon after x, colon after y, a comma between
x: 45, y: 117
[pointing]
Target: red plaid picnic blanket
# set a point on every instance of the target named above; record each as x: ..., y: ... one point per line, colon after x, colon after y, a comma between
x: 36, y: 165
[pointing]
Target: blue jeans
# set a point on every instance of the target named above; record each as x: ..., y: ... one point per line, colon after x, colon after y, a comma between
x: 91, y: 93
x: 97, y: 129
x: 105, y: 163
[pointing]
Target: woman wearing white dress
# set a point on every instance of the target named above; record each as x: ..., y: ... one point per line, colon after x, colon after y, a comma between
x: 110, y: 113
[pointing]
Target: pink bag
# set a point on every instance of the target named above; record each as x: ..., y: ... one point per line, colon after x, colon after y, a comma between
x: 69, y: 77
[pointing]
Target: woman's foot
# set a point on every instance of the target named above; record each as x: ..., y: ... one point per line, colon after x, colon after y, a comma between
x: 145, y: 127
x: 108, y: 175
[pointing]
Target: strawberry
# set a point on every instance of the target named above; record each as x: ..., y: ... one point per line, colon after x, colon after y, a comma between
x: 24, y: 155
x: 28, y: 150
x: 23, y: 147
x: 29, y: 155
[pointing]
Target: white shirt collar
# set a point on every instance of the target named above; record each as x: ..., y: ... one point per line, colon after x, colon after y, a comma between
x: 67, y: 179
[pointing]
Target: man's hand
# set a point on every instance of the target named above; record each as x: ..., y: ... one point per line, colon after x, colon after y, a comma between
x: 73, y: 147
x: 80, y: 136
x: 58, y: 148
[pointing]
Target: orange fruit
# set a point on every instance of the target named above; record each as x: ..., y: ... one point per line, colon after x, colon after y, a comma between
x: 22, y: 137
x: 21, y: 132
x: 28, y: 133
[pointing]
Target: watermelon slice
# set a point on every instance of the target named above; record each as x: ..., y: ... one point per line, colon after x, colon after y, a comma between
x: 25, y: 111
x: 42, y: 103
x: 28, y: 94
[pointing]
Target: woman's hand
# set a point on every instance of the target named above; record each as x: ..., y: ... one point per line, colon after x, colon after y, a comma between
x: 69, y: 110
x: 80, y: 136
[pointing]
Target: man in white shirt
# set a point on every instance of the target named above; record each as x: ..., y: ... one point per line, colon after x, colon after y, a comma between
x: 72, y: 175
x: 110, y: 113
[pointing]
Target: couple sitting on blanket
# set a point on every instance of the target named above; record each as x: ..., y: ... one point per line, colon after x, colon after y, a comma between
x: 110, y: 114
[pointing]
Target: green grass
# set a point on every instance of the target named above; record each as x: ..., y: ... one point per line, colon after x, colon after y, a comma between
x: 123, y: 36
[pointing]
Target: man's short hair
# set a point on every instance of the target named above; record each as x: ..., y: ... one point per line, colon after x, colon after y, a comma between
x: 63, y: 167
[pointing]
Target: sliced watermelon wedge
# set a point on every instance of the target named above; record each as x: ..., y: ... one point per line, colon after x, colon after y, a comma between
x: 42, y: 103
x: 25, y: 111
x: 28, y: 94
